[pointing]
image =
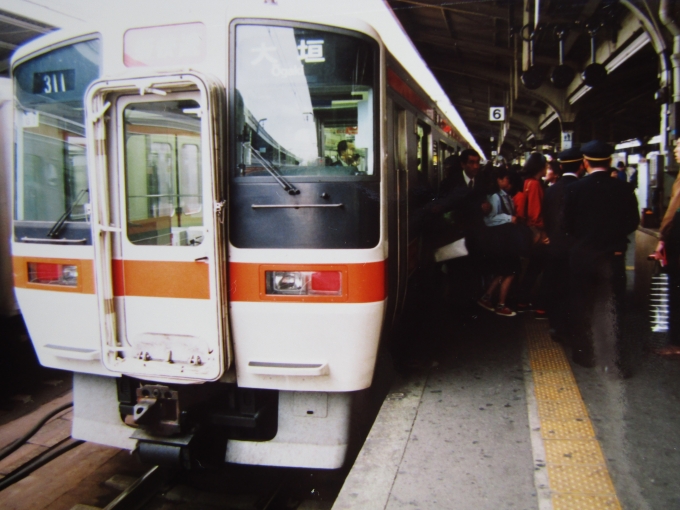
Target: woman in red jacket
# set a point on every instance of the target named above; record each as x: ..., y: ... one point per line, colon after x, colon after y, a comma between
x: 534, y: 170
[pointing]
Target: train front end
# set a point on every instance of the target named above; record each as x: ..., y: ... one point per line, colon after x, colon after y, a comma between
x: 204, y: 245
x: 306, y: 259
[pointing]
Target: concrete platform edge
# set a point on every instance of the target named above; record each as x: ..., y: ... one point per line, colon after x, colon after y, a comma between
x: 369, y: 483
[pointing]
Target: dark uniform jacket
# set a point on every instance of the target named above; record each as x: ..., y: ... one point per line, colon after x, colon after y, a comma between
x: 553, y: 212
x: 599, y: 213
x: 464, y: 204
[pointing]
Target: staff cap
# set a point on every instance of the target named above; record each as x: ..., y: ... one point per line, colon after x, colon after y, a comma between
x: 570, y: 155
x: 597, y: 150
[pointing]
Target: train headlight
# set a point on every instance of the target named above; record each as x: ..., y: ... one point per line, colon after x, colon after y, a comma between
x: 304, y: 283
x: 69, y: 275
x: 53, y: 274
x: 288, y: 283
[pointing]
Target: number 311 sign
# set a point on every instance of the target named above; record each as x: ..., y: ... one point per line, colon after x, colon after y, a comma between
x: 497, y: 113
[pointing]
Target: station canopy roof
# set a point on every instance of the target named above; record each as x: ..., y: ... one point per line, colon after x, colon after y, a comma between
x: 480, y: 50
x: 14, y: 31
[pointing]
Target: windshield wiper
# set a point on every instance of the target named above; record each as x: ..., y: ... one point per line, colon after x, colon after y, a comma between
x: 287, y: 186
x: 59, y: 225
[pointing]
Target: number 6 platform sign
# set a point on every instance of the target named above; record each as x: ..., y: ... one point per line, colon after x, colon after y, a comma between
x: 497, y: 113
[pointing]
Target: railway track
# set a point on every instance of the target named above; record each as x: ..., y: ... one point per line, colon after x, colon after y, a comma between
x: 161, y: 489
x: 122, y: 483
x: 76, y: 475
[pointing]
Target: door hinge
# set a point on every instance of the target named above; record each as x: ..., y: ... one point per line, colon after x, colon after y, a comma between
x: 219, y: 209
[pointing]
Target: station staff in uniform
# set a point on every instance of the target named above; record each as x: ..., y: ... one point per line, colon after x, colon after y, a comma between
x: 556, y: 273
x: 599, y: 213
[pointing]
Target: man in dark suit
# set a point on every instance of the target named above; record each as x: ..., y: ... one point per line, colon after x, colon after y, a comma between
x: 599, y: 214
x: 469, y: 162
x: 345, y: 154
x: 464, y: 205
x: 459, y: 193
x: 556, y: 273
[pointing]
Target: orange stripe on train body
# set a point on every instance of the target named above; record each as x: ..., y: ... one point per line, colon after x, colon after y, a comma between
x: 361, y: 283
x: 146, y: 278
x: 405, y: 91
x: 150, y: 278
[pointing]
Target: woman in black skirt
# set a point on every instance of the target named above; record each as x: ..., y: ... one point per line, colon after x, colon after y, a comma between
x: 501, y: 241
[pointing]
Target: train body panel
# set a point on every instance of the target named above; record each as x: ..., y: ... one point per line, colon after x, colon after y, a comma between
x: 8, y: 301
x: 95, y: 412
x: 313, y: 432
x: 62, y: 320
x: 311, y: 346
x: 226, y: 203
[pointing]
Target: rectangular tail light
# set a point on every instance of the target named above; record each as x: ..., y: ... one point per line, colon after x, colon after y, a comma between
x: 53, y: 274
x: 304, y: 283
x: 326, y: 281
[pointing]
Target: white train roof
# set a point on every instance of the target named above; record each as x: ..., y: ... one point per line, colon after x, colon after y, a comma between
x: 100, y: 15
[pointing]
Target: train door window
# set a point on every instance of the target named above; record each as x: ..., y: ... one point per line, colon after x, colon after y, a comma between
x: 51, y: 172
x: 423, y: 161
x: 190, y: 179
x: 163, y: 172
x: 420, y: 133
x: 444, y: 152
x: 304, y: 103
x: 423, y: 133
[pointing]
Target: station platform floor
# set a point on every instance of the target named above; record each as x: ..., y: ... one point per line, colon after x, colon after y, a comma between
x: 488, y: 412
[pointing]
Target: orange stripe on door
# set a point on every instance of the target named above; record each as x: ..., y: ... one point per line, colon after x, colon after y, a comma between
x: 188, y: 280
x: 362, y: 283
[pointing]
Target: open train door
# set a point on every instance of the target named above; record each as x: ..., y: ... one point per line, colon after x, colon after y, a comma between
x: 157, y: 215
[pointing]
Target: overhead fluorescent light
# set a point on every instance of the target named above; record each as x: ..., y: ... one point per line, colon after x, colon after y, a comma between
x: 654, y: 140
x: 548, y: 120
x: 630, y: 50
x: 628, y: 144
x: 579, y: 94
x: 638, y: 43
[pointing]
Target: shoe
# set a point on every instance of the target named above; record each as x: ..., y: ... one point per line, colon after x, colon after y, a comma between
x: 486, y: 304
x: 584, y: 358
x: 504, y: 311
x: 540, y: 314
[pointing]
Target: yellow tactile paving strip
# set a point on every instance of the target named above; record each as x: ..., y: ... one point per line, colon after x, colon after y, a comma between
x: 577, y: 472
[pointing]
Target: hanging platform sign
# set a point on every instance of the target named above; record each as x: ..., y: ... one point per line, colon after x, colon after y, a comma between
x: 497, y: 113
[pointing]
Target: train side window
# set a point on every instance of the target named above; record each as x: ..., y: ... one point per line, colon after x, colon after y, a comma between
x: 163, y: 173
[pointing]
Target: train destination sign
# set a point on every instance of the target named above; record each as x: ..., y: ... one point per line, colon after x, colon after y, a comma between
x: 54, y: 82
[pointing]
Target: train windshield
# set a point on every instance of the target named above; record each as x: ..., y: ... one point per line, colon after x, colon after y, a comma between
x: 304, y: 103
x: 51, y: 177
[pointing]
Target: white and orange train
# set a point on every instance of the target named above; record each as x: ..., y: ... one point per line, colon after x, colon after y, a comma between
x: 211, y: 220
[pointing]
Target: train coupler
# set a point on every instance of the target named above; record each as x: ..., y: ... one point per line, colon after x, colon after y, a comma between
x: 172, y: 452
x: 158, y: 409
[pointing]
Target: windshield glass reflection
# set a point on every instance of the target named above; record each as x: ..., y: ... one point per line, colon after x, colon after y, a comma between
x: 304, y: 103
